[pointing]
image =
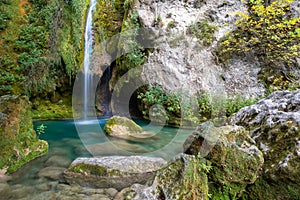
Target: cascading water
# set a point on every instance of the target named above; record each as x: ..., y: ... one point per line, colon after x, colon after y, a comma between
x: 88, y: 49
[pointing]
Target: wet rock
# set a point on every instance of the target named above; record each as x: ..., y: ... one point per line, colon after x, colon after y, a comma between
x: 19, y: 143
x: 20, y: 192
x: 136, y: 191
x: 274, y: 124
x: 123, y: 148
x: 53, y: 173
x: 3, y: 187
x: 4, y: 178
x: 113, y: 171
x: 111, y: 192
x: 58, y: 161
x: 123, y: 127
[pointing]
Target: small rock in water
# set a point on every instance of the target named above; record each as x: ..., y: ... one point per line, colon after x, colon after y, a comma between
x: 111, y: 192
x: 58, y: 161
x: 54, y: 173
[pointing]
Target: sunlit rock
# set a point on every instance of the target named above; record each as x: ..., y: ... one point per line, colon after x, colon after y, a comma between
x: 113, y: 171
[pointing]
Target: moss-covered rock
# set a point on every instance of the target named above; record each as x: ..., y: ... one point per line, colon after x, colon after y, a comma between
x: 115, y: 171
x: 18, y: 140
x: 235, y: 159
x: 274, y: 123
x: 122, y: 127
x: 45, y: 109
x: 184, y: 178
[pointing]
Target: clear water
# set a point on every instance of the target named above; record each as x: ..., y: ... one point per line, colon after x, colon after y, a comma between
x: 68, y: 140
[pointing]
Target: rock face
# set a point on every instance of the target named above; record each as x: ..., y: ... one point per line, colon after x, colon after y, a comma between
x: 19, y: 142
x: 181, y: 60
x: 274, y: 123
x: 234, y: 158
x: 114, y: 171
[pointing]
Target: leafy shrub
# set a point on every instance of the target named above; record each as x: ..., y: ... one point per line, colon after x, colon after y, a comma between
x: 267, y: 31
x: 157, y: 96
x: 196, y: 109
x: 204, y: 31
x: 134, y: 51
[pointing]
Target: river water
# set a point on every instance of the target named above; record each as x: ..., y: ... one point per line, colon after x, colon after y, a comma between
x: 42, y: 178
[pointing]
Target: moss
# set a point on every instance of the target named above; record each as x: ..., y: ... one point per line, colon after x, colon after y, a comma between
x: 204, y: 31
x: 88, y: 169
x: 19, y: 143
x: 85, y: 168
x: 45, y: 109
x: 264, y: 188
x: 184, y: 178
x: 37, y: 149
x: 107, y: 19
x: 131, y: 126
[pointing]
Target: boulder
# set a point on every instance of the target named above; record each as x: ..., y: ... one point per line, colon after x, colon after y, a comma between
x: 184, y: 178
x: 235, y: 159
x: 18, y: 141
x: 125, y: 128
x: 274, y: 124
x: 113, y: 171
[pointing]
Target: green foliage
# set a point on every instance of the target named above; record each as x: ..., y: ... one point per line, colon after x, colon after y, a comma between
x: 172, y: 24
x: 275, y: 80
x: 204, y: 31
x: 234, y: 104
x: 4, y: 18
x: 195, y: 182
x: 133, y: 50
x: 107, y: 20
x: 18, y: 143
x: 204, y: 165
x: 35, y: 56
x: 267, y: 31
x: 157, y: 96
x: 227, y: 192
x: 195, y: 109
x: 41, y: 129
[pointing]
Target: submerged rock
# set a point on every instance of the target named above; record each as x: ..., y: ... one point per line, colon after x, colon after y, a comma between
x: 53, y: 173
x: 122, y: 148
x: 18, y: 141
x: 113, y: 171
x: 274, y: 123
x: 58, y: 161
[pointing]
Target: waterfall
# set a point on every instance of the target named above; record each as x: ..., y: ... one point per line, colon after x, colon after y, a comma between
x: 88, y: 48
